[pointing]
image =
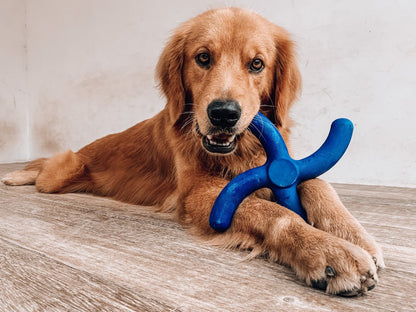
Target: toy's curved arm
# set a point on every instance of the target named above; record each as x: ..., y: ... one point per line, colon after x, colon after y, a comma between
x: 266, y: 132
x: 329, y: 153
x: 233, y: 194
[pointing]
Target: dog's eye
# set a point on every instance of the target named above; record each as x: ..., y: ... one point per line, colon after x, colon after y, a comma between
x: 256, y: 65
x: 203, y: 59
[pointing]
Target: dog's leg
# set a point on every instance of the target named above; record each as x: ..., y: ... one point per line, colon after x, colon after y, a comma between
x: 63, y: 173
x: 326, y: 212
x: 321, y: 259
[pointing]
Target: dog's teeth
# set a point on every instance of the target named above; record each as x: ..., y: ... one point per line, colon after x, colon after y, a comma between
x: 220, y: 141
x: 231, y: 138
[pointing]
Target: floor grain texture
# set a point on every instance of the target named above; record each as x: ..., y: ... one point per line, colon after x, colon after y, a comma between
x: 78, y: 252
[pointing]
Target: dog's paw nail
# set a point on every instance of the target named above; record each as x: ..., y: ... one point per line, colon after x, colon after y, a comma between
x: 379, y: 263
x: 371, y: 284
x: 350, y: 293
x: 368, y: 282
x: 329, y: 271
x: 319, y: 284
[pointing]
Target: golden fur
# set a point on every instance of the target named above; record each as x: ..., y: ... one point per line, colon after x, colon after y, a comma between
x: 162, y: 161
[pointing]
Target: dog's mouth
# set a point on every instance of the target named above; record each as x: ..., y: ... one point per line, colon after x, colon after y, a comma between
x: 219, y: 142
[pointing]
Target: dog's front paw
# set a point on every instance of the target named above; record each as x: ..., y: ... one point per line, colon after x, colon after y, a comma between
x: 343, y: 269
x: 359, y: 237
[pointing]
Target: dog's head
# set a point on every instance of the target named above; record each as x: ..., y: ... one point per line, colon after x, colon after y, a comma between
x: 223, y: 66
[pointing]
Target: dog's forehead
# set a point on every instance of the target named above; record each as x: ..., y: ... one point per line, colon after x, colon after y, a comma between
x: 232, y: 28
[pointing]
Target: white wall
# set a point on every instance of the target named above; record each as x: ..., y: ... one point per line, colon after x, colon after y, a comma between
x: 13, y: 88
x: 73, y: 71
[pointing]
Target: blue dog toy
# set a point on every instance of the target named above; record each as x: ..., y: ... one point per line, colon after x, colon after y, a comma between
x: 280, y: 173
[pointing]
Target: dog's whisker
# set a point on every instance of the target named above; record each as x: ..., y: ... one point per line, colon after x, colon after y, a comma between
x: 188, y: 121
x: 273, y: 106
x: 262, y: 123
x: 267, y: 105
x: 186, y: 124
x: 187, y: 113
x: 185, y: 127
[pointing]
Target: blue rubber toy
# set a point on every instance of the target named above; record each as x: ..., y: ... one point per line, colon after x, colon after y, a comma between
x: 280, y: 173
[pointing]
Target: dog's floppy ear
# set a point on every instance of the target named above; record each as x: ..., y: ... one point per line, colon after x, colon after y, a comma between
x: 169, y: 72
x: 287, y: 79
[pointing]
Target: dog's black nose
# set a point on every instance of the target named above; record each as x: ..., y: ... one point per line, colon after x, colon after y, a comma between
x: 224, y: 113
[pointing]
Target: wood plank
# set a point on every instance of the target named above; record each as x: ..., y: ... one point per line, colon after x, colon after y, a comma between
x: 31, y: 281
x: 377, y: 191
x: 151, y: 260
x: 386, y: 212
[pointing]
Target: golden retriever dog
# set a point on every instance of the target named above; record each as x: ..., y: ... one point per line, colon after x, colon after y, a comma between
x: 217, y: 71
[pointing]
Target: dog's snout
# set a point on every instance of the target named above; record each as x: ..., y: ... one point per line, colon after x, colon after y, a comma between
x: 224, y: 113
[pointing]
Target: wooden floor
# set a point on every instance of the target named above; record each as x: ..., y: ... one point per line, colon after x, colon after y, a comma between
x: 77, y: 252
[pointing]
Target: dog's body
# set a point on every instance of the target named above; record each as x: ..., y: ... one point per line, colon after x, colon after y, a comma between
x: 217, y: 71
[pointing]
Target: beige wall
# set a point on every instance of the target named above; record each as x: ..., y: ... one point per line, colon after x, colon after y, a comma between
x: 73, y: 71
x: 13, y: 86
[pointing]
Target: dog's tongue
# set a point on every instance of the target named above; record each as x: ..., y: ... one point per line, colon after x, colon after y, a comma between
x: 222, y: 137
